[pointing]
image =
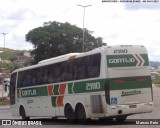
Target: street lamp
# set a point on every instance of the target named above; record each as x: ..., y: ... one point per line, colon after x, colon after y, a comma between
x: 84, y: 6
x: 4, y: 39
x: 3, y: 60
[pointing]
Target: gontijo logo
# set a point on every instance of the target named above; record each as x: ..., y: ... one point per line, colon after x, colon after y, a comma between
x: 122, y: 60
x: 140, y: 60
x: 26, y: 92
x: 29, y: 93
x: 127, y: 60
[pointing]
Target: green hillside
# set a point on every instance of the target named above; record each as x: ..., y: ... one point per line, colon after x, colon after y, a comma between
x: 9, y: 54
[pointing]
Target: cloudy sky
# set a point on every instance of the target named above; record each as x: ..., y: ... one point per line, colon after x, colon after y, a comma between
x: 116, y: 23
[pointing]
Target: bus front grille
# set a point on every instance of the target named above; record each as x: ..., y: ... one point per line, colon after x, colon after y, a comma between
x: 96, y: 103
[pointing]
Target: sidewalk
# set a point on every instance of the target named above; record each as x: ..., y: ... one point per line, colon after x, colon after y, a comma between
x: 4, y: 107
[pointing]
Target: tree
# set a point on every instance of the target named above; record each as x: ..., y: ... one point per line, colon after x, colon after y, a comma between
x: 54, y: 39
x: 9, y: 66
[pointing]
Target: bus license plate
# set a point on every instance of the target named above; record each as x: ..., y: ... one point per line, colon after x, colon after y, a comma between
x: 132, y: 106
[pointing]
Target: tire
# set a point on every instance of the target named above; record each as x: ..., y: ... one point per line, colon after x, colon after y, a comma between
x: 106, y: 119
x: 23, y: 114
x: 54, y: 118
x: 121, y: 118
x: 81, y: 114
x: 69, y: 114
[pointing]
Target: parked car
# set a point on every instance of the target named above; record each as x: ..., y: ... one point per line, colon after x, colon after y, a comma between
x: 154, y: 77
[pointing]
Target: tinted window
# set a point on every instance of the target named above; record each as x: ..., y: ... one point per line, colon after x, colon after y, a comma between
x: 55, y: 73
x: 12, y: 88
x: 93, y: 65
x: 80, y: 68
x: 68, y: 71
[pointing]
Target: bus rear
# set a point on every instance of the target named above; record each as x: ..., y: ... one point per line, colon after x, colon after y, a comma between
x: 129, y: 88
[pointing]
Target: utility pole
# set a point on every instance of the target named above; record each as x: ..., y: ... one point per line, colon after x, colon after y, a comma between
x: 84, y: 6
x: 3, y: 74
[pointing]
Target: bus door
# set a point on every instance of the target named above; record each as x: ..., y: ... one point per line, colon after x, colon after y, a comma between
x: 13, y: 90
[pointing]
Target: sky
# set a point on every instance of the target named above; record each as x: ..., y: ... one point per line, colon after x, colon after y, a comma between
x: 117, y: 23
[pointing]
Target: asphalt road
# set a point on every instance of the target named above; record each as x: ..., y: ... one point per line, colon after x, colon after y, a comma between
x: 129, y: 123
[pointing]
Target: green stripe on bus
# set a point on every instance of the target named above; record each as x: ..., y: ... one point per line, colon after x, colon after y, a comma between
x: 70, y: 85
x: 32, y: 92
x: 87, y: 86
x: 127, y: 60
x: 91, y: 86
x: 53, y: 100
x: 145, y: 57
x: 56, y: 89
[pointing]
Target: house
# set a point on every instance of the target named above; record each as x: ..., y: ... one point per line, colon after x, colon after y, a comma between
x: 21, y: 60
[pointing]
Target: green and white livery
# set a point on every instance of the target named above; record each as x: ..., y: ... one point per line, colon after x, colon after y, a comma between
x: 105, y: 83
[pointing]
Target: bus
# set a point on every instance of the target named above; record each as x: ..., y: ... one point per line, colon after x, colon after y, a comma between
x: 109, y: 82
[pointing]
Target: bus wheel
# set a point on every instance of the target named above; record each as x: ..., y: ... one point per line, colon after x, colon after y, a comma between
x: 106, y: 119
x: 69, y: 113
x: 121, y: 118
x: 81, y: 114
x: 54, y: 118
x: 23, y: 113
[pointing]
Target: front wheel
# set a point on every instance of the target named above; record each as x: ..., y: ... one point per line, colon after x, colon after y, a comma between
x: 23, y: 114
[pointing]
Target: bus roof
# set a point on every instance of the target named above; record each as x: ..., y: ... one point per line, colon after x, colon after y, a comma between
x: 73, y: 55
x: 50, y: 61
x: 66, y: 56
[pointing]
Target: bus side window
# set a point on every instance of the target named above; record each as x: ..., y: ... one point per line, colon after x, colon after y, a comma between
x: 67, y: 74
x: 93, y: 65
x: 34, y: 76
x: 74, y: 70
x: 20, y: 82
x: 40, y: 76
x: 29, y: 78
x: 50, y: 75
x: 24, y: 79
x: 80, y: 68
x: 12, y: 88
x: 21, y: 79
x: 57, y: 73
x: 70, y: 70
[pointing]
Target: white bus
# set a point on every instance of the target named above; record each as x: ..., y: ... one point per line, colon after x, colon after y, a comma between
x: 105, y: 83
